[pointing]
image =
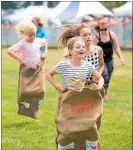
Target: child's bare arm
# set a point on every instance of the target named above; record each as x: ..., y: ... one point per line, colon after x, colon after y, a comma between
x: 15, y: 56
x: 50, y: 78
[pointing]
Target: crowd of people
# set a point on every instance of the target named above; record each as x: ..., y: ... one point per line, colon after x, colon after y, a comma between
x: 88, y: 61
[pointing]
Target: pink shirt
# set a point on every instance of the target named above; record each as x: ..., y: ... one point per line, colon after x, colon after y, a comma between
x: 30, y: 52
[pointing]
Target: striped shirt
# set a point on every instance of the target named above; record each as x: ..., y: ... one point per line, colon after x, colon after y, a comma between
x: 68, y: 71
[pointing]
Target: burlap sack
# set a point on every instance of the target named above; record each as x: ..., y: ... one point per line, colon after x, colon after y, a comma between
x: 78, y: 117
x: 31, y: 90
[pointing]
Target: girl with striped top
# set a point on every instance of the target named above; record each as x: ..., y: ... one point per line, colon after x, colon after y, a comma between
x: 74, y: 67
x: 94, y: 54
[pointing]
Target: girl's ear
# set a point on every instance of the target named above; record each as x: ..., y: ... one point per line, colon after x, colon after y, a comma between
x: 70, y: 51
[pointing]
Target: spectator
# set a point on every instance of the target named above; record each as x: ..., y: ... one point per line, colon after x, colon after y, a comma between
x: 40, y: 33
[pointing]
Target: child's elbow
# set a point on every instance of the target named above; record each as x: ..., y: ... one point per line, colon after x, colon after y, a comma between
x: 8, y: 51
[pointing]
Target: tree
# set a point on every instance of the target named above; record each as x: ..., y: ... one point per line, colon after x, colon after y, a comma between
x: 18, y: 4
x: 8, y: 5
x: 113, y: 4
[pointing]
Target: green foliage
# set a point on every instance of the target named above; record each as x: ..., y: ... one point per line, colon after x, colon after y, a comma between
x: 18, y: 4
x: 23, y: 133
x: 113, y: 4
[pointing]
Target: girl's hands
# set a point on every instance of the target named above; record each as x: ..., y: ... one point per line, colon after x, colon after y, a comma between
x: 95, y: 86
x: 94, y: 79
x: 99, y: 87
x: 73, y: 88
x: 60, y: 88
x: 43, y: 56
x: 21, y: 61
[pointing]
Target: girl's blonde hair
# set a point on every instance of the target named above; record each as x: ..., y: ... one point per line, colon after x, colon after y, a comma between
x: 69, y: 46
x: 73, y: 40
x: 39, y: 21
x: 25, y: 29
x: 71, y: 33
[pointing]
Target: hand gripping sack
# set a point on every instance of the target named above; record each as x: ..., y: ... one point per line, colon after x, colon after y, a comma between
x: 31, y: 90
x: 78, y: 117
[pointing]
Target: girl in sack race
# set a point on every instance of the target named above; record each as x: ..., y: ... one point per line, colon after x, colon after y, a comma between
x: 94, y: 54
x: 31, y: 73
x: 77, y: 129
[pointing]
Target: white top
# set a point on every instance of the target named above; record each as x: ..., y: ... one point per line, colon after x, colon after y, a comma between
x: 30, y: 52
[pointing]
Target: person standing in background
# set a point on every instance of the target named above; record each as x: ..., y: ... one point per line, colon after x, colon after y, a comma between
x: 40, y: 32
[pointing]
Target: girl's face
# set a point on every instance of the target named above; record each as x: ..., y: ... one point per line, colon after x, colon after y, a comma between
x: 35, y: 22
x: 103, y: 24
x: 78, y: 49
x: 85, y: 34
x: 31, y: 36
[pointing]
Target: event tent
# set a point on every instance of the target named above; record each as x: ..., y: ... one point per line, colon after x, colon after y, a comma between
x: 124, y: 10
x: 25, y: 15
x: 76, y: 9
x: 42, y: 11
x: 14, y: 16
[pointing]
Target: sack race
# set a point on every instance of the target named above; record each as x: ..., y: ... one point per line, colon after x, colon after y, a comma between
x: 78, y: 117
x: 31, y: 90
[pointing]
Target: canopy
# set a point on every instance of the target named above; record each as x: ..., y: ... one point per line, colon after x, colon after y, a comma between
x: 124, y: 10
x: 26, y: 15
x: 74, y: 9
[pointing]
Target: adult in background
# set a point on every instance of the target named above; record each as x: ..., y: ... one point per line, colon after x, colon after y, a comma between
x: 108, y: 41
x: 40, y: 32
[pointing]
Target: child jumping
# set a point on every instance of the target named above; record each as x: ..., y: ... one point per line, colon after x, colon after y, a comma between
x: 31, y: 76
x: 74, y: 72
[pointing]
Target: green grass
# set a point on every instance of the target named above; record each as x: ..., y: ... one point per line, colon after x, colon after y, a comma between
x: 23, y: 133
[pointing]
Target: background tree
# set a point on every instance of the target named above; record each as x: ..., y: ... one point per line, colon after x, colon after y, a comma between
x: 113, y: 4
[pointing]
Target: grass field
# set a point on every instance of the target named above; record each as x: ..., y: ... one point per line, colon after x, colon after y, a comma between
x: 23, y: 133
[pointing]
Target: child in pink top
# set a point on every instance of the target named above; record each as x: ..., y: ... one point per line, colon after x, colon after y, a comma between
x: 27, y: 50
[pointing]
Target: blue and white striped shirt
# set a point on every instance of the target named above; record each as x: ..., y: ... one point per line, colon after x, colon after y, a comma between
x: 68, y: 71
